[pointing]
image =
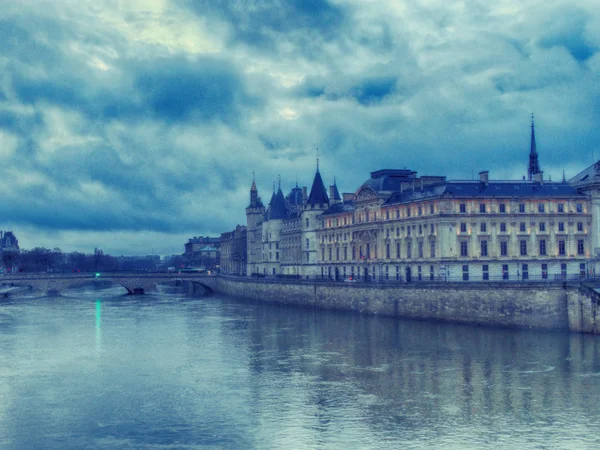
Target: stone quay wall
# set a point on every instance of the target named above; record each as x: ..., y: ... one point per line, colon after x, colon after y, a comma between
x: 517, y: 305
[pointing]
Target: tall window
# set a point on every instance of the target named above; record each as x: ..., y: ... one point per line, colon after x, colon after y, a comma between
x: 561, y: 207
x: 463, y: 207
x: 337, y: 254
x: 580, y: 247
x: 408, y: 212
x: 522, y: 227
x: 387, y: 215
x: 483, y: 227
x: 543, y: 247
x: 541, y: 207
x: 484, y: 248
x: 482, y: 207
x: 387, y: 251
x: 432, y: 249
x: 502, y: 207
x: 420, y: 249
x: 525, y: 271
x: 465, y: 271
x: 368, y: 255
x: 561, y: 248
x: 408, y: 230
x: 464, y: 248
x: 544, y: 271
x: 505, y: 271
x: 329, y: 253
x: 307, y: 243
x: 397, y: 213
x: 503, y: 227
x: 408, y: 250
x: 486, y: 272
x: 420, y: 229
x: 542, y: 226
x: 345, y: 253
x: 398, y: 250
x: 420, y: 211
x: 579, y: 226
x: 431, y: 209
x: 579, y: 207
x: 523, y: 247
x: 503, y: 248
x: 463, y: 227
x: 561, y: 226
x: 521, y: 207
x: 431, y: 228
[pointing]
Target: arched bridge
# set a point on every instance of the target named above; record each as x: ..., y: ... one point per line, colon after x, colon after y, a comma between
x: 135, y: 283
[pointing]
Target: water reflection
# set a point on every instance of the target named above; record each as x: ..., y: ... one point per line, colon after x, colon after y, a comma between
x: 231, y: 374
x: 98, y: 323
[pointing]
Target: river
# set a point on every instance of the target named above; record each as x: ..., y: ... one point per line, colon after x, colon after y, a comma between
x: 96, y: 369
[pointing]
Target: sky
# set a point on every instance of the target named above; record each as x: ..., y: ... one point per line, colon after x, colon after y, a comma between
x: 133, y: 125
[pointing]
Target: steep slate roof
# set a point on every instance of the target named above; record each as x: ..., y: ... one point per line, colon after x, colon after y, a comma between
x: 337, y: 208
x: 388, y: 179
x: 278, y: 209
x: 587, y: 176
x: 318, y: 193
x: 336, y: 193
x: 477, y: 189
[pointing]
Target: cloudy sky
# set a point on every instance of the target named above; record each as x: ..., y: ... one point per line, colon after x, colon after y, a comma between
x: 133, y: 125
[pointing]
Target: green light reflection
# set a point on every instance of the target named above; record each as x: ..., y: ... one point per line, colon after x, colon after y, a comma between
x: 98, y: 323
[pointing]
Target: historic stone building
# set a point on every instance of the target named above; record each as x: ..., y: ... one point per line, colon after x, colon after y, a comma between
x: 282, y: 236
x: 234, y: 251
x: 404, y: 227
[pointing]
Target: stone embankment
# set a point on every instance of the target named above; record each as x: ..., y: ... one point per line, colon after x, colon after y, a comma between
x: 551, y: 306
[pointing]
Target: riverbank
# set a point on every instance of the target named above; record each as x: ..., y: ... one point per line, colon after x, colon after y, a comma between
x: 545, y: 306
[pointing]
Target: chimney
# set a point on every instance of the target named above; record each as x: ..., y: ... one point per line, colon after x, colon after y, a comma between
x: 484, y: 177
x: 304, y: 195
x: 331, y: 194
x: 538, y: 177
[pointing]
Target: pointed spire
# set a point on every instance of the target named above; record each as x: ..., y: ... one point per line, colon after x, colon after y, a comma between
x: 279, y: 179
x: 317, y: 159
x: 253, y: 187
x: 534, y: 165
x: 564, y: 180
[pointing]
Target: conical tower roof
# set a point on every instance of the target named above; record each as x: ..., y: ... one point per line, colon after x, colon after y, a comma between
x: 318, y: 193
x: 278, y: 206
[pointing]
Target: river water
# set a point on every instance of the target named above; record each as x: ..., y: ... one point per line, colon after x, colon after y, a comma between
x: 96, y: 369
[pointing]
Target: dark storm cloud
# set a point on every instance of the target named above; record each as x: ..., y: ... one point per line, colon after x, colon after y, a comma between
x: 206, y: 89
x: 262, y: 23
x: 151, y: 117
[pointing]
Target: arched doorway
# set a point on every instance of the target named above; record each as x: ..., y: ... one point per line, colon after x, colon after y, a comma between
x: 408, y: 275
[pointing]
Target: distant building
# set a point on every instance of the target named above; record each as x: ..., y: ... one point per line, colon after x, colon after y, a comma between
x: 202, y: 252
x: 8, y: 242
x: 233, y: 251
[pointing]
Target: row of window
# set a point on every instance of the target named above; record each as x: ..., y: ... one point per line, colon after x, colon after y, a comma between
x: 504, y: 274
x: 523, y: 243
x: 522, y: 227
x: 364, y: 252
x: 366, y: 216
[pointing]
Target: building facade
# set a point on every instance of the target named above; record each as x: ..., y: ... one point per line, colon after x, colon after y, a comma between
x: 234, y: 251
x: 399, y: 226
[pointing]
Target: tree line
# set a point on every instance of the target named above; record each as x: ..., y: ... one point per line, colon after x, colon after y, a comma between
x: 42, y: 259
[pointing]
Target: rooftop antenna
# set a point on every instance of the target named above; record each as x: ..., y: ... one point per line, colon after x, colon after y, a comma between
x: 279, y: 176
